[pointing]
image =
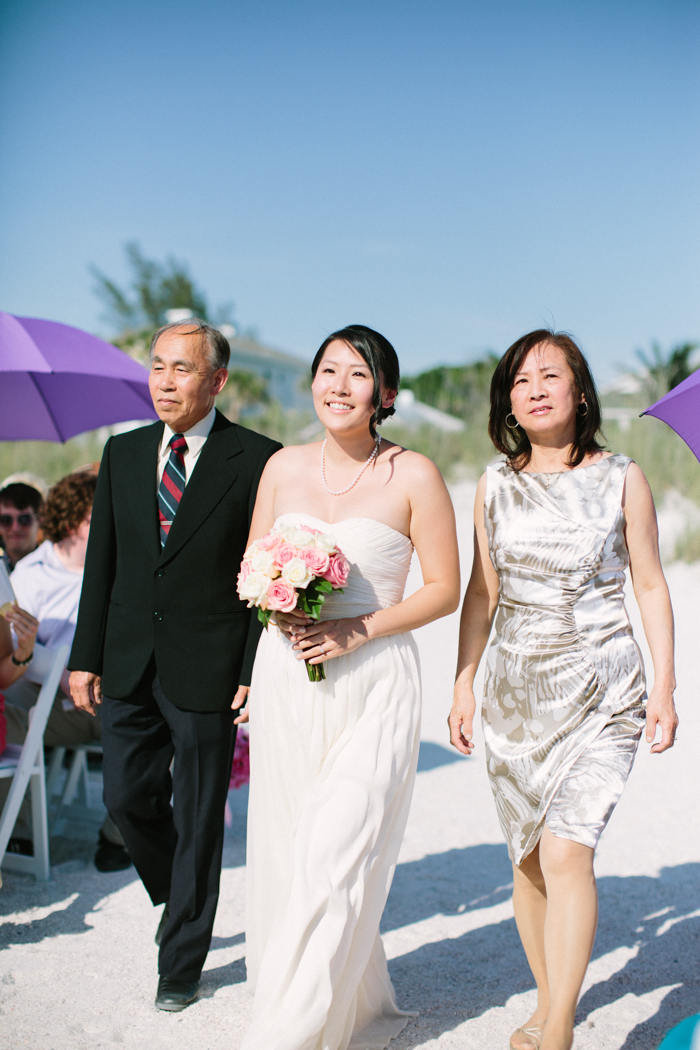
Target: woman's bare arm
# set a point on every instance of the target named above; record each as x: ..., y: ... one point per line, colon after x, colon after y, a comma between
x: 433, y: 533
x: 478, y: 610
x: 651, y: 592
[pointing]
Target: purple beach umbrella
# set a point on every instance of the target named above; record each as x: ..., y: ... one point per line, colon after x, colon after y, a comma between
x: 680, y: 408
x: 57, y: 381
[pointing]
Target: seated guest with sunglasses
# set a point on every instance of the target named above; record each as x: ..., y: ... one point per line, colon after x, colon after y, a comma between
x: 47, y: 584
x: 20, y: 506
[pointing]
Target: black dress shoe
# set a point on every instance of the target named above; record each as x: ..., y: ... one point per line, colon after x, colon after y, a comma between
x: 110, y: 857
x: 164, y: 919
x: 175, y: 995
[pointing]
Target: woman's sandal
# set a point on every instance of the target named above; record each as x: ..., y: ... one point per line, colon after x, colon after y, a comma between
x: 533, y: 1034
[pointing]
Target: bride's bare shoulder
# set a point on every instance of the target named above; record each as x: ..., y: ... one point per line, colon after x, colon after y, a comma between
x: 293, y: 457
x: 410, y: 465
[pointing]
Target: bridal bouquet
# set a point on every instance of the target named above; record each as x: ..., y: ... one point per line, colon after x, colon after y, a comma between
x: 292, y: 568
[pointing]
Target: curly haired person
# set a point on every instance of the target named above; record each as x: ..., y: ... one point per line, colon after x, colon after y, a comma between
x: 47, y: 583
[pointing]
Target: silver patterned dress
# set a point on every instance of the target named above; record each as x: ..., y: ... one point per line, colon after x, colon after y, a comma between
x: 564, y: 693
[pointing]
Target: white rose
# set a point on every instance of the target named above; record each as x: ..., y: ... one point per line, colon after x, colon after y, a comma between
x: 299, y: 537
x: 325, y: 542
x: 264, y: 562
x: 252, y: 551
x: 254, y: 587
x: 297, y: 572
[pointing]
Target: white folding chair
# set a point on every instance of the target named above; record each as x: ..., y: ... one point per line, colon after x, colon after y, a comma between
x: 77, y: 774
x: 26, y: 764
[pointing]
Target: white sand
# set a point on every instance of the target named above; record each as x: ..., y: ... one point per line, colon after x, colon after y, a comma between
x: 78, y: 968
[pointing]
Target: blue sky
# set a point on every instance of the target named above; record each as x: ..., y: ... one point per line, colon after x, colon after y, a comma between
x: 451, y: 173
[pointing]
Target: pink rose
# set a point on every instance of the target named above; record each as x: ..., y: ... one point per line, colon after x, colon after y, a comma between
x: 338, y: 570
x: 284, y: 553
x: 245, y: 571
x: 281, y: 596
x: 269, y: 541
x: 317, y: 560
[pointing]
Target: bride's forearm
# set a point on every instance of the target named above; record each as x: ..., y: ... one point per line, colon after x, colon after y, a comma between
x: 429, y: 603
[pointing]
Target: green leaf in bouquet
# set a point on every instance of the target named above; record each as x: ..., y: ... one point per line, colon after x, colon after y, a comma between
x: 323, y: 586
x: 313, y: 597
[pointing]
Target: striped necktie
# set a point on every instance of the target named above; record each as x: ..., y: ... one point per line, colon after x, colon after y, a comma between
x: 172, y: 485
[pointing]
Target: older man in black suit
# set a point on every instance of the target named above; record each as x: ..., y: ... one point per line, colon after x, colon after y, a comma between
x: 163, y: 641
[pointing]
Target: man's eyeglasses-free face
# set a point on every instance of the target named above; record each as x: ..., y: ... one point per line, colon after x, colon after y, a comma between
x: 23, y: 520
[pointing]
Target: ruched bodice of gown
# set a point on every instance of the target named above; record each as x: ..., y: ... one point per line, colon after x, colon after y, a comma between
x: 332, y: 771
x: 378, y: 567
x: 563, y: 660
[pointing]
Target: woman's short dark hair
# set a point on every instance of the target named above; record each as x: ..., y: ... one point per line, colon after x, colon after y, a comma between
x: 68, y: 504
x: 514, y: 442
x: 381, y: 357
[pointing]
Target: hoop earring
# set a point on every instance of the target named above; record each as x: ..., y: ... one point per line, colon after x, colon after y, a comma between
x: 582, y: 415
x: 511, y: 426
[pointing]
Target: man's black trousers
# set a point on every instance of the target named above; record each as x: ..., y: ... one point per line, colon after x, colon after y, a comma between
x: 173, y: 827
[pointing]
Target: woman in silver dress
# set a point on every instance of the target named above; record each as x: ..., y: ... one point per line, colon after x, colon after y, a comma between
x: 556, y: 526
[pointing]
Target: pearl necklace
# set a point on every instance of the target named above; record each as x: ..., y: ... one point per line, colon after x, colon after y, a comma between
x: 372, y: 456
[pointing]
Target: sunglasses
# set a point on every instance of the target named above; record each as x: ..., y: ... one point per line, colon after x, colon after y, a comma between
x: 23, y: 520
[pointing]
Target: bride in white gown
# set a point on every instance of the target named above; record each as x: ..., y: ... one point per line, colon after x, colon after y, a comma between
x: 333, y: 762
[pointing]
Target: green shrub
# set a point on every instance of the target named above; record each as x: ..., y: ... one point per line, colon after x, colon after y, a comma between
x: 457, y: 389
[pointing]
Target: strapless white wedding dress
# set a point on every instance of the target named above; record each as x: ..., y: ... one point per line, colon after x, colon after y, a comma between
x: 332, y: 771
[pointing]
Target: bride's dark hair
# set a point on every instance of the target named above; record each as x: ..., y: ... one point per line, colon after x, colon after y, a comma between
x: 379, y: 355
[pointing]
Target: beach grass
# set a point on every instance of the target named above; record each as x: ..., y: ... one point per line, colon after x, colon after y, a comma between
x: 665, y: 459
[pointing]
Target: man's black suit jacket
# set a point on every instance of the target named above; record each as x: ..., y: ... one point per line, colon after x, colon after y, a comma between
x: 179, y: 602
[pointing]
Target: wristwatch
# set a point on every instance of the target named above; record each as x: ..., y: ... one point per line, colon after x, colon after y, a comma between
x: 21, y: 663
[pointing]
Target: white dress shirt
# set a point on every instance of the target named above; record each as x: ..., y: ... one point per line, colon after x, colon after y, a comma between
x: 49, y: 591
x: 195, y: 438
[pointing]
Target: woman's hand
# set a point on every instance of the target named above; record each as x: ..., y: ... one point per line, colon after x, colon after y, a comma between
x: 461, y: 718
x: 322, y: 640
x: 661, y: 713
x: 25, y: 628
x: 289, y: 622
x: 238, y: 702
